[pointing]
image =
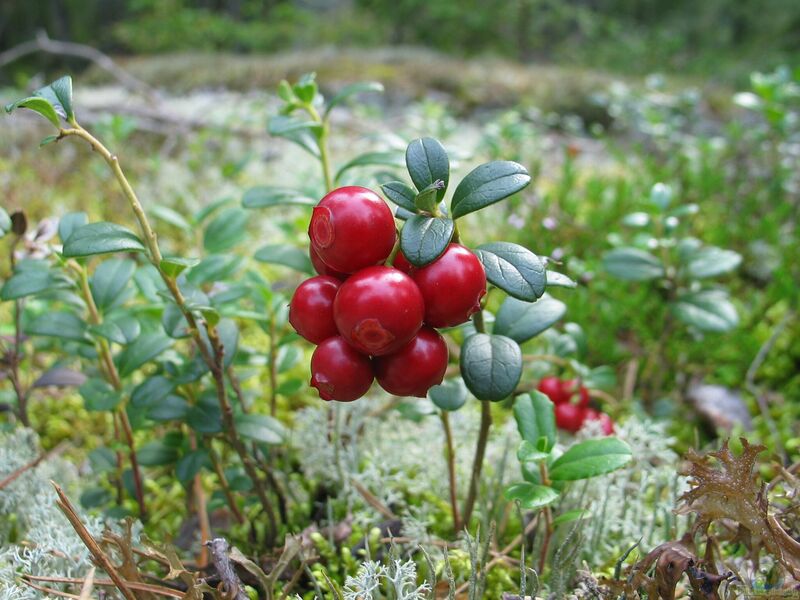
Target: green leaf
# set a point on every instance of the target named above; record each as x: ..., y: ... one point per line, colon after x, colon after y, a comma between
x: 426, y: 200
x: 401, y: 194
x: 94, y: 497
x: 171, y: 408
x: 487, y: 184
x: 213, y: 268
x: 64, y: 325
x: 636, y: 219
x: 122, y: 329
x: 98, y: 395
x: 424, y: 239
x: 710, y: 261
x: 69, y: 223
x: 491, y: 366
x: 288, y: 256
x: 450, y: 395
x: 591, y: 458
x: 5, y: 222
x: 226, y: 230
x: 51, y: 101
x: 101, y: 238
x: 205, y: 418
x: 528, y: 453
x: 536, y: 421
x: 306, y: 88
x: 570, y: 516
x: 391, y: 158
x: 303, y: 133
x: 632, y: 264
x: 170, y: 216
x: 109, y: 281
x: 151, y: 391
x: 522, y: 321
x: 261, y: 428
x: 172, y: 319
x: 555, y: 279
x: 707, y: 310
x: 351, y: 90
x: 190, y: 464
x: 661, y: 195
x: 156, y: 454
x: 175, y: 265
x: 209, y: 209
x: 263, y: 196
x: 530, y: 495
x: 146, y: 347
x: 514, y: 269
x: 32, y: 277
x: 427, y: 162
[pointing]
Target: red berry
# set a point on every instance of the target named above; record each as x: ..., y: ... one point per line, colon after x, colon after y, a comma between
x: 575, y: 393
x: 606, y: 423
x: 452, y: 286
x: 415, y: 368
x: 401, y: 262
x: 378, y: 310
x: 323, y: 269
x: 339, y: 372
x: 311, y: 308
x: 552, y: 387
x: 352, y: 228
x: 569, y: 416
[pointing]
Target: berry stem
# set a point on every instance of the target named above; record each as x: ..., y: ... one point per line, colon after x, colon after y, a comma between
x: 393, y: 254
x: 322, y: 144
x: 451, y: 470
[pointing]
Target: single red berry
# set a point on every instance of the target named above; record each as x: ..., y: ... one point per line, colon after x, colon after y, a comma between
x: 401, y: 262
x: 352, y: 228
x: 416, y: 367
x: 378, y: 310
x: 553, y: 388
x: 311, y: 308
x: 452, y: 287
x: 575, y: 393
x: 569, y: 416
x: 339, y: 372
x: 606, y: 423
x: 323, y: 269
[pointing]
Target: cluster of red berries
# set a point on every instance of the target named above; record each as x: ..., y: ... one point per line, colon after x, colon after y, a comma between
x: 375, y: 321
x: 571, y: 401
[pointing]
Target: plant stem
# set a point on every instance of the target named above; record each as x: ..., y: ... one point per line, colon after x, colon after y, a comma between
x: 322, y: 144
x: 548, y: 520
x: 15, y: 356
x: 272, y: 367
x: 212, y: 359
x: 451, y: 470
x: 112, y: 375
x: 226, y: 489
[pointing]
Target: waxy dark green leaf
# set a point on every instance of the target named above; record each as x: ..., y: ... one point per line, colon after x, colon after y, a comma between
x: 121, y: 329
x: 710, y: 261
x: 632, y: 264
x: 261, y: 428
x: 175, y: 265
x: 401, y: 194
x: 450, y: 395
x: 226, y: 230
x: 190, y: 465
x: 491, y: 366
x: 424, y: 239
x: 156, y: 454
x: 146, y: 347
x: 303, y: 133
x: 522, y: 321
x: 60, y: 324
x: 264, y: 196
x: 51, y: 101
x: 530, y: 495
x: 536, y: 420
x: 109, y: 280
x: 591, y: 458
x: 98, y: 395
x: 288, y: 256
x: 69, y: 223
x: 427, y: 162
x: 101, y: 238
x: 32, y: 277
x: 514, y: 269
x: 487, y: 184
x: 556, y: 279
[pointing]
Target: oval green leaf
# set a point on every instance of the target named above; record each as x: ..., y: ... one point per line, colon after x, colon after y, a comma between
x: 531, y: 496
x: 226, y: 230
x: 632, y: 264
x: 261, y: 428
x: 264, y: 196
x: 487, y: 184
x: 146, y: 347
x: 536, y: 421
x: 514, y: 269
x: 450, y: 395
x: 710, y: 261
x: 109, y: 280
x: 522, y: 321
x: 288, y: 256
x: 591, y: 458
x: 424, y: 239
x: 101, y: 238
x: 63, y: 325
x: 401, y: 194
x: 491, y: 366
x: 707, y: 310
x: 427, y: 162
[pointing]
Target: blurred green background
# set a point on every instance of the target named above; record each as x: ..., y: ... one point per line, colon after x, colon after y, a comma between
x: 718, y: 39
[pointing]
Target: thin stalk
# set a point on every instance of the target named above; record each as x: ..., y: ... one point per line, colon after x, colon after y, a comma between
x: 213, y: 359
x: 226, y: 488
x: 548, y: 520
x: 112, y: 375
x: 322, y: 144
x: 272, y: 368
x: 451, y: 470
x: 202, y: 512
x: 16, y: 354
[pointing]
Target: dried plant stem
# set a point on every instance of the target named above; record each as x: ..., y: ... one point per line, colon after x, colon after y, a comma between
x: 212, y: 358
x: 226, y: 488
x: 233, y: 587
x: 100, y: 557
x: 112, y: 376
x: 451, y: 471
x: 134, y: 585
